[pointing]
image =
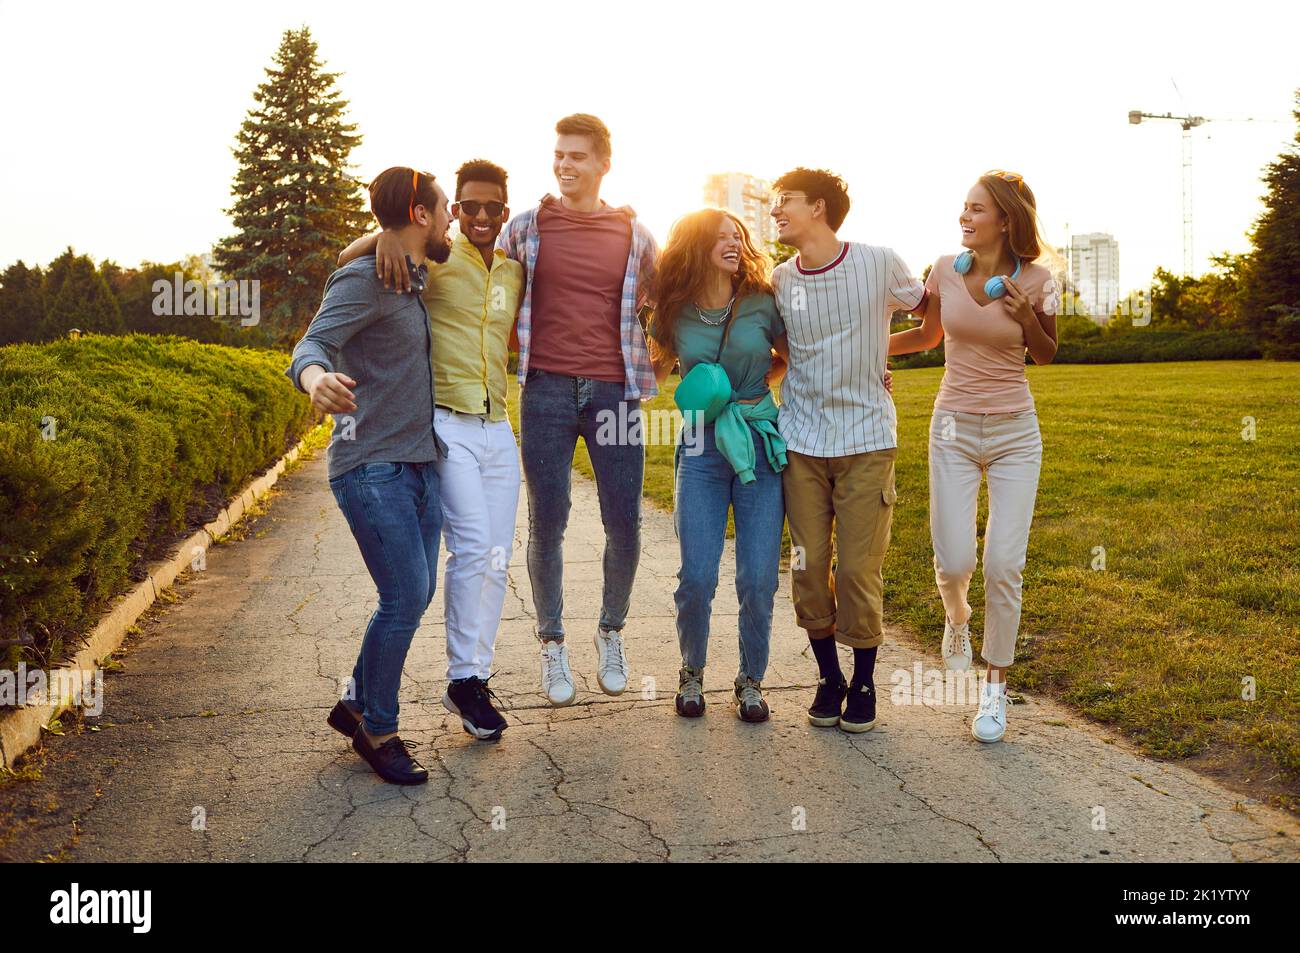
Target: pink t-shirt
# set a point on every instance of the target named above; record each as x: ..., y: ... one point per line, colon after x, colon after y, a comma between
x: 578, y: 291
x: 984, y: 347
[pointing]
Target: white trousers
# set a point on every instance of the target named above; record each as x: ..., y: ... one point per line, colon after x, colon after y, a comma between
x: 479, y: 483
x: 963, y: 448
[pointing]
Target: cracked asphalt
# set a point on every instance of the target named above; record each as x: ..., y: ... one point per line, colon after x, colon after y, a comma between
x: 213, y: 744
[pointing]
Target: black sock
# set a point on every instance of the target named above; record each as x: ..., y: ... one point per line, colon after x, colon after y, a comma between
x: 864, y: 667
x: 828, y: 660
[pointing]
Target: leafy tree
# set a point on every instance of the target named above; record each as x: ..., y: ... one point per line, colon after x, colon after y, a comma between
x: 134, y: 290
x: 780, y: 252
x: 1075, y: 325
x: 1272, y: 289
x: 22, y: 303
x: 296, y: 204
x: 1212, y: 301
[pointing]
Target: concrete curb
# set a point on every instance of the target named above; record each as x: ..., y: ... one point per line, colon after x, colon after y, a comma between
x: 20, y: 728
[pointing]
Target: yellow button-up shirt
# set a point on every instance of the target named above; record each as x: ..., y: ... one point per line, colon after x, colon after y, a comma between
x: 471, y: 311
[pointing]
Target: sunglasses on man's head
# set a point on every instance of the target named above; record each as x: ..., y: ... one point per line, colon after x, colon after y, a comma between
x: 472, y: 208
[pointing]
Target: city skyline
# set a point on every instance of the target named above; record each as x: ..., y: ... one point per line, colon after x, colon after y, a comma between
x: 1094, y: 273
x: 747, y: 197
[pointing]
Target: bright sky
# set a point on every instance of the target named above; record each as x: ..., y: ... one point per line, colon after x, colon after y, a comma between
x: 119, y: 119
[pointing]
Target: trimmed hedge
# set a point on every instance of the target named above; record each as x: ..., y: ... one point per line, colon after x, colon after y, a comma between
x: 148, y: 432
x: 1144, y: 345
x: 1132, y: 347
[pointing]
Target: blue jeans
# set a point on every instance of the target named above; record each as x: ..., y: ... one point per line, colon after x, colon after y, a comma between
x: 706, y: 487
x: 555, y: 410
x: 395, y: 513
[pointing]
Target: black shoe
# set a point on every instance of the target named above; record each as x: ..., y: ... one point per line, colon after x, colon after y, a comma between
x: 826, y: 707
x: 344, y: 720
x: 747, y: 696
x: 860, y: 711
x: 690, y: 692
x: 391, y: 760
x: 471, y: 698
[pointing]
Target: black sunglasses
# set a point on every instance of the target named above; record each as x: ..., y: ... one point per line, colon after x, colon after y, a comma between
x: 472, y: 208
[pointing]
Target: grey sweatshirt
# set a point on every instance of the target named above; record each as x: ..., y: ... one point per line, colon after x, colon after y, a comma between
x: 381, y: 340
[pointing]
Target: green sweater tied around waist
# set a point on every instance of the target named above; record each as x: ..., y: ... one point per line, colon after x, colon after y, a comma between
x: 734, y: 432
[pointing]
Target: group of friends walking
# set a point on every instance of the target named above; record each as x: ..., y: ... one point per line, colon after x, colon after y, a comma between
x: 410, y: 349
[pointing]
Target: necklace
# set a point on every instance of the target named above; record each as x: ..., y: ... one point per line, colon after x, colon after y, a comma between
x: 726, y: 312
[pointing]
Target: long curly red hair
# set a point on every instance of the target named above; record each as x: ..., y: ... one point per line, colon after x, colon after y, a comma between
x: 685, y: 268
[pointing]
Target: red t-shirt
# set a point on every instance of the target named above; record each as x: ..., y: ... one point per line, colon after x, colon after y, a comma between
x: 578, y: 292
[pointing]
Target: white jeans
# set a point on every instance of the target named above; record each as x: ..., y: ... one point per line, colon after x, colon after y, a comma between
x: 963, y: 447
x: 480, y: 491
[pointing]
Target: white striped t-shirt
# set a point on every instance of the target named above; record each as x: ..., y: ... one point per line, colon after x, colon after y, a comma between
x: 833, y: 399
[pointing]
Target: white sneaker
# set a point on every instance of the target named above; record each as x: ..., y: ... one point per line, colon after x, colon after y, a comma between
x: 557, y: 680
x: 611, y: 663
x: 990, y: 722
x: 956, y: 646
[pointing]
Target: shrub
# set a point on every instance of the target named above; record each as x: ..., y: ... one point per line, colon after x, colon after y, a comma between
x: 109, y: 446
x: 1143, y: 345
x: 1136, y: 346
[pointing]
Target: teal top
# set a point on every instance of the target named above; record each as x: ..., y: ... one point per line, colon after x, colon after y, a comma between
x: 747, y: 359
x: 747, y: 356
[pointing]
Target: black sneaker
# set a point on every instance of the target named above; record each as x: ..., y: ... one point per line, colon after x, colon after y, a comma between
x: 344, y: 720
x: 748, y: 699
x: 471, y: 698
x: 860, y: 711
x: 690, y: 692
x: 826, y: 707
x: 391, y: 760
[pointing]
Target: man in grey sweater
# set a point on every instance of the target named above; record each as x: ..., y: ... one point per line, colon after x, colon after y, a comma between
x: 366, y: 359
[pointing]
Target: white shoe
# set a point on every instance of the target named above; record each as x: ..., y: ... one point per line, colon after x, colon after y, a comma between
x: 957, y: 655
x: 990, y: 722
x: 557, y: 680
x: 611, y: 663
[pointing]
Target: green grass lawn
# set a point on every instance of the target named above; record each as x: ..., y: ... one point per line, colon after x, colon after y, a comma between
x: 1201, y: 530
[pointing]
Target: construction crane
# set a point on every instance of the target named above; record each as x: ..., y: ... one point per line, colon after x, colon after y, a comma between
x: 1188, y: 123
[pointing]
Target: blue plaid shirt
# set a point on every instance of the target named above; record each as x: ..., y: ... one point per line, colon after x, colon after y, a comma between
x: 521, y: 240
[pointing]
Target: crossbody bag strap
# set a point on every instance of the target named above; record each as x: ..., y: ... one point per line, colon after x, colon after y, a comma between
x: 725, y: 331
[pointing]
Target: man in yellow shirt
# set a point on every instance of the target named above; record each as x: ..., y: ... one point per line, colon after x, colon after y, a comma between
x: 472, y: 300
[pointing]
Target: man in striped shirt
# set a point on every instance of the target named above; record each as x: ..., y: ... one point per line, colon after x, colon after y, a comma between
x: 840, y: 429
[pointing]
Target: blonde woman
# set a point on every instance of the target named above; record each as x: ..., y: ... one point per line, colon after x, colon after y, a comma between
x: 989, y: 305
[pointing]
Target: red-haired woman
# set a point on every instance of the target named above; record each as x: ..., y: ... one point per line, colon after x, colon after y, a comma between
x: 989, y: 305
x: 715, y: 306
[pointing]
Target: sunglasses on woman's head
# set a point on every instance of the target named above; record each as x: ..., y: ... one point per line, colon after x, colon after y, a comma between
x: 1015, y: 178
x: 472, y: 208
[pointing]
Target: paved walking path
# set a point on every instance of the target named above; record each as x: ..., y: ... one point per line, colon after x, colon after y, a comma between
x: 219, y: 714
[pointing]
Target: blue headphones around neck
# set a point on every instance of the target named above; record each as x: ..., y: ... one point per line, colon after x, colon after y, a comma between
x: 995, y: 287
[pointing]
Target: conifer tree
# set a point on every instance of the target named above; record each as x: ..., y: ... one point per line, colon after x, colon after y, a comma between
x: 77, y: 296
x: 1272, y: 286
x: 22, y: 304
x: 296, y: 203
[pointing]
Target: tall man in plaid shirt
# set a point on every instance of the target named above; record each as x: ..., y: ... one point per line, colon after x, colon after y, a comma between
x: 583, y: 366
